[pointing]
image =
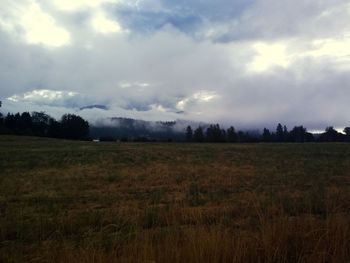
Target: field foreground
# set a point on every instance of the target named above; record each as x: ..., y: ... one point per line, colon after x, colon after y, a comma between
x: 63, y: 201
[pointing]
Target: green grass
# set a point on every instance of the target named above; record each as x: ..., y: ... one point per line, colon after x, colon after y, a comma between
x: 68, y: 201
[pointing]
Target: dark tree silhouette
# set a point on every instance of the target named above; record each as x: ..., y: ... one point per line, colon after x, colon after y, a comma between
x: 266, y: 136
x: 298, y: 134
x: 40, y: 123
x: 74, y: 127
x: 223, y: 136
x: 18, y: 122
x: 54, y: 129
x: 241, y: 137
x: 310, y: 137
x: 189, y: 134
x: 279, y: 133
x: 331, y: 135
x: 1, y: 117
x: 10, y: 121
x: 210, y: 134
x: 285, y: 134
x: 198, y: 135
x: 26, y: 122
x: 231, y: 134
x: 347, y: 133
x: 215, y: 134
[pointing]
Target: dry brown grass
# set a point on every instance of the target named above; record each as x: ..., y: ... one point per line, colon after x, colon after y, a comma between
x: 84, y: 202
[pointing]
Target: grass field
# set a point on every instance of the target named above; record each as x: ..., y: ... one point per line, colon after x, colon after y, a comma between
x: 63, y: 201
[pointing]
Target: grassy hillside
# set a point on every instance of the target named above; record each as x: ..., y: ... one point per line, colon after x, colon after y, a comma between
x: 63, y: 201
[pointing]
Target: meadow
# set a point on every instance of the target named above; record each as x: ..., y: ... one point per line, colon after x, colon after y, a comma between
x: 69, y: 201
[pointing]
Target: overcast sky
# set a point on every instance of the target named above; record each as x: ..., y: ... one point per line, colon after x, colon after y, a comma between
x: 250, y: 63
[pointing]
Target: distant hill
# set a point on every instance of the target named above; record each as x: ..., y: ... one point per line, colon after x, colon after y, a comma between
x: 122, y: 128
x: 101, y: 107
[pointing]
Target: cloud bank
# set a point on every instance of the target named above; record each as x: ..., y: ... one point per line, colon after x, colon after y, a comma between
x: 246, y: 63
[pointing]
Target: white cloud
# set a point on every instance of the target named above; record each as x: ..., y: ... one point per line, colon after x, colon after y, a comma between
x: 283, y: 53
x: 37, y: 27
x: 158, y: 107
x: 100, y: 21
x: 269, y: 55
x: 43, y: 96
x: 139, y: 85
x: 74, y: 5
x: 202, y: 96
x: 332, y: 47
x: 275, y: 61
x: 104, y: 25
x: 41, y: 28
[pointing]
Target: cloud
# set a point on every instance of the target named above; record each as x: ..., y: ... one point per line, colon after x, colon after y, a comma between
x: 197, y: 98
x: 30, y: 22
x: 43, y: 96
x: 104, y: 25
x: 272, y: 20
x: 269, y: 55
x: 245, y: 63
x: 76, y: 5
x: 69, y: 100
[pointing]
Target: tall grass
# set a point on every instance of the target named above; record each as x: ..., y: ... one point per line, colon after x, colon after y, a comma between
x: 64, y: 201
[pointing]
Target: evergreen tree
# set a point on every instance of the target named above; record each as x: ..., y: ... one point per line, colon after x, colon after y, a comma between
x: 231, y: 134
x: 279, y: 133
x: 331, y: 135
x: 285, y: 134
x: 198, y: 135
x: 223, y: 135
x: 215, y: 134
x: 40, y: 123
x: 189, y: 134
x: 241, y: 136
x: 54, y: 129
x: 298, y: 134
x: 18, y: 124
x: 266, y: 136
x: 1, y: 117
x: 74, y: 127
x: 347, y: 133
x: 10, y: 122
x: 26, y: 123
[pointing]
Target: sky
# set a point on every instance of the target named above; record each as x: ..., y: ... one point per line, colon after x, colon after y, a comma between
x: 247, y: 63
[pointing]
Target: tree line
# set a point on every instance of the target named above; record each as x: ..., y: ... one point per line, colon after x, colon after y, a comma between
x: 214, y: 133
x: 40, y: 124
x: 74, y: 127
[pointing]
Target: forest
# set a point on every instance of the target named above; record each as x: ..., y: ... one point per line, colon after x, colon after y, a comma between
x: 74, y: 127
x: 214, y: 133
x: 40, y: 124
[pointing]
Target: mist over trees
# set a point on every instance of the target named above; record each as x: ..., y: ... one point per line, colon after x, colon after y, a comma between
x: 127, y: 129
x: 74, y: 127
